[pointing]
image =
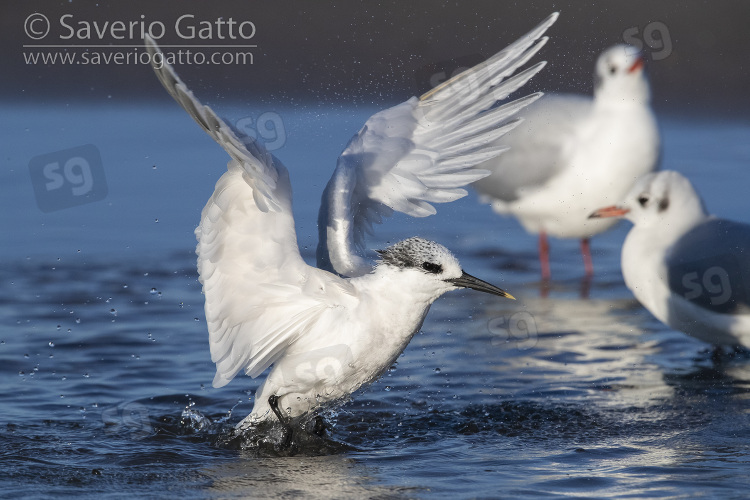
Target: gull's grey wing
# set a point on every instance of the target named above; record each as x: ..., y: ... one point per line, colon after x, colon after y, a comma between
x: 710, y: 266
x: 539, y: 147
x: 421, y: 152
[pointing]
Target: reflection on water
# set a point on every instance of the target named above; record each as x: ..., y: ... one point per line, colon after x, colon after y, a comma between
x: 333, y: 476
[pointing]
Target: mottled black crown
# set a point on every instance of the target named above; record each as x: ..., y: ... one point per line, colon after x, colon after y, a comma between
x: 416, y: 253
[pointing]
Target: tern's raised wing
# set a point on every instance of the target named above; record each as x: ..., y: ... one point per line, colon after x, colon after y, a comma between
x: 422, y: 151
x: 260, y: 294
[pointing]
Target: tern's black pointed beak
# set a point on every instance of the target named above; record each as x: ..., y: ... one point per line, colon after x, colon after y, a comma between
x: 468, y: 281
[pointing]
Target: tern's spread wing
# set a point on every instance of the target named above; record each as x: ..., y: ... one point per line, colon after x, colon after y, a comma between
x: 260, y: 294
x: 539, y: 147
x: 422, y: 151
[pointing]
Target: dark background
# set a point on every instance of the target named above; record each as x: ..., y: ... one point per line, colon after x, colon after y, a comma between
x: 349, y: 52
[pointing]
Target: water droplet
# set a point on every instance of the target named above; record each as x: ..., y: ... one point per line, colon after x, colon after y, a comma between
x: 113, y: 312
x: 388, y: 388
x: 437, y: 370
x: 51, y: 344
x: 58, y: 327
x: 86, y: 375
x: 78, y: 321
x: 153, y: 291
x: 156, y: 220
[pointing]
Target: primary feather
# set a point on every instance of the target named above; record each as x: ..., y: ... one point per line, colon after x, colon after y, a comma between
x: 421, y: 152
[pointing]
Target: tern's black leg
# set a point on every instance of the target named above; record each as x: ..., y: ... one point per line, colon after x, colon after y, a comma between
x: 319, y: 428
x: 285, y: 421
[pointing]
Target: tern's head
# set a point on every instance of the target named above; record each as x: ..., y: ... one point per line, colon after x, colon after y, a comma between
x: 432, y: 267
x: 619, y: 76
x: 665, y: 200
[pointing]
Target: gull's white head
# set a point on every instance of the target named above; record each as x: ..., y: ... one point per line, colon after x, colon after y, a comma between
x: 431, y: 267
x: 619, y: 76
x: 664, y: 200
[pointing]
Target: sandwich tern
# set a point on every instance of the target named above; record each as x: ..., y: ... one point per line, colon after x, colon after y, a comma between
x: 326, y: 331
x: 689, y: 268
x: 574, y: 154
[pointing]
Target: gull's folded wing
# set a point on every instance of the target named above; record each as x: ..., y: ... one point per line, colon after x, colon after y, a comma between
x: 709, y: 266
x: 421, y: 152
x: 260, y: 294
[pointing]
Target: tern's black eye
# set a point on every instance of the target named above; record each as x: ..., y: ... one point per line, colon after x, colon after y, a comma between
x: 643, y: 199
x: 432, y: 268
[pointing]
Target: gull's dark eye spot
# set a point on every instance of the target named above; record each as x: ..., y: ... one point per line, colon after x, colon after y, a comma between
x: 432, y: 268
x: 612, y: 70
x: 643, y: 199
x: 663, y: 204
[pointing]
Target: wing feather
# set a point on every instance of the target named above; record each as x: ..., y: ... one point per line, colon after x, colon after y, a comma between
x: 422, y: 151
x: 260, y: 295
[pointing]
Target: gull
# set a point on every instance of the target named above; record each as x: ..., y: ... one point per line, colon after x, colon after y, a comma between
x: 688, y: 268
x: 326, y: 331
x: 574, y: 154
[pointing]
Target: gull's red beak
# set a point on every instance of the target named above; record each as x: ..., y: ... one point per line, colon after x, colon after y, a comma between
x: 637, y: 65
x: 613, y: 211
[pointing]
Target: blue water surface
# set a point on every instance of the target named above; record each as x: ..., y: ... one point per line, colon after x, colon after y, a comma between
x: 106, y: 373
